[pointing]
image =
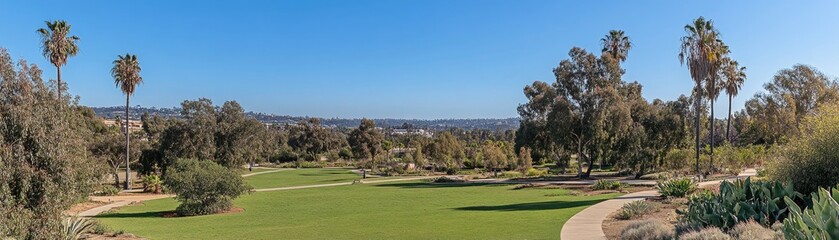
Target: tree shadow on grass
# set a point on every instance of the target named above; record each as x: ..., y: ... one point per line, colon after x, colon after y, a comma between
x: 433, y: 185
x: 152, y: 214
x: 534, y: 206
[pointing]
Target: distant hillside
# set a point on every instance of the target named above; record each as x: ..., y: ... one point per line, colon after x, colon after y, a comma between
x: 437, y: 124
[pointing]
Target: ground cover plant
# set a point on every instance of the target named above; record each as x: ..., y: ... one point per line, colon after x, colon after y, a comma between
x: 403, y: 210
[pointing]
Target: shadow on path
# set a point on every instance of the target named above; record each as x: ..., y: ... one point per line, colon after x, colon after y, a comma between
x: 534, y: 206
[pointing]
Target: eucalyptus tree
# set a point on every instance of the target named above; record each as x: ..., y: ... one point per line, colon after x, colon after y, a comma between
x: 57, y: 45
x: 734, y: 76
x: 616, y: 44
x: 701, y: 50
x: 126, y: 73
x: 365, y: 141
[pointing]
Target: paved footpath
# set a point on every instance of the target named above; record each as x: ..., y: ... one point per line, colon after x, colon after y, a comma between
x: 588, y: 224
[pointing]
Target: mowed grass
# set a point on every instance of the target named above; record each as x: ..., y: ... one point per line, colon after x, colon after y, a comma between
x: 401, y: 210
x: 304, y: 176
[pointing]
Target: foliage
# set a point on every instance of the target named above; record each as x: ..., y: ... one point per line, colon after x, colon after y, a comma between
x: 753, y: 230
x: 152, y: 183
x: 811, y: 160
x: 510, y: 174
x: 676, y: 187
x: 635, y: 209
x: 108, y: 190
x: 74, y: 227
x: 761, y: 201
x: 446, y: 151
x: 710, y: 233
x: 820, y: 221
x: 606, y: 184
x: 532, y: 172
x: 203, y: 187
x: 646, y: 230
x: 366, y: 141
x: 44, y: 163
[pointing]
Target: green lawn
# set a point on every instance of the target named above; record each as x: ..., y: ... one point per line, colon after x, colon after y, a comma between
x: 400, y: 210
x: 304, y: 176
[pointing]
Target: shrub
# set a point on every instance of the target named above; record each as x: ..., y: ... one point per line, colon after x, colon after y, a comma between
x: 752, y: 230
x: 677, y: 187
x: 761, y: 201
x: 821, y: 221
x: 447, y: 179
x: 152, y: 183
x: 711, y: 233
x: 635, y: 209
x: 532, y: 172
x: 107, y: 190
x: 811, y: 160
x: 606, y: 184
x: 646, y: 230
x: 203, y: 187
x: 510, y: 174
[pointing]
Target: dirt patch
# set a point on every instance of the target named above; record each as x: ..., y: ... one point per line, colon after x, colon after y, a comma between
x: 114, y: 236
x: 666, y: 213
x: 84, y: 206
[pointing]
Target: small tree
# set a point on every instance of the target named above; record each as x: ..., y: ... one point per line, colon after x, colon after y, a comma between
x: 525, y: 160
x: 203, y: 187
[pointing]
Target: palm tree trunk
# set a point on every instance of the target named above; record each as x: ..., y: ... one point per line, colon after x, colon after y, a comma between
x: 728, y: 122
x: 127, y: 145
x: 711, y: 163
x: 58, y: 70
x: 698, y: 101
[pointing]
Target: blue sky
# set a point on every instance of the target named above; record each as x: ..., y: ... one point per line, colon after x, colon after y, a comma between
x: 401, y: 59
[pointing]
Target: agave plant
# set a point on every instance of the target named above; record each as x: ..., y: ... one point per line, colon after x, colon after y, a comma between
x: 819, y: 222
x: 74, y: 227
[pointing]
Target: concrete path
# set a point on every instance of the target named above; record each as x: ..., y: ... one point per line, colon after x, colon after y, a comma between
x: 588, y: 224
x: 118, y: 201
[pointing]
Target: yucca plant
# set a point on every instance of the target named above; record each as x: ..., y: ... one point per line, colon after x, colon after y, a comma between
x: 677, y: 187
x: 635, y: 209
x: 606, y: 184
x: 74, y: 227
x: 819, y: 222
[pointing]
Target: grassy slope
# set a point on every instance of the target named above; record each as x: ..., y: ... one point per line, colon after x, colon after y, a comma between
x: 305, y: 176
x: 409, y: 210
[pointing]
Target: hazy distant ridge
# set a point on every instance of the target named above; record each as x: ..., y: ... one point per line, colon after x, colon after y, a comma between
x: 437, y: 124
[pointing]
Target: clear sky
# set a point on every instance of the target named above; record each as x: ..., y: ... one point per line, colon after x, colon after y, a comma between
x: 401, y: 59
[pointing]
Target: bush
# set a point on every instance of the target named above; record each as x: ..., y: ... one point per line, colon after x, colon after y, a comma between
x: 107, y: 190
x: 821, y: 221
x: 677, y: 187
x: 510, y: 174
x: 752, y: 230
x: 203, y: 187
x: 607, y: 185
x: 811, y: 160
x: 532, y: 172
x: 710, y: 233
x: 646, y: 230
x: 761, y: 201
x: 635, y: 209
x: 152, y: 183
x: 447, y: 179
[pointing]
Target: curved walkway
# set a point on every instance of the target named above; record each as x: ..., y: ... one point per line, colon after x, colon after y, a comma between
x: 588, y: 224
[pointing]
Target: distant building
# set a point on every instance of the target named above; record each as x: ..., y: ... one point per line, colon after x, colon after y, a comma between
x: 404, y: 131
x: 133, y: 125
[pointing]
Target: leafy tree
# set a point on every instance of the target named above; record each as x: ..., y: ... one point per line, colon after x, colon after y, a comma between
x: 494, y: 156
x: 533, y: 129
x: 239, y: 140
x: 792, y: 94
x: 310, y: 137
x: 366, y: 141
x: 44, y: 163
x: 525, y: 160
x: 57, y: 46
x: 194, y: 136
x: 203, y: 187
x: 701, y: 51
x: 126, y: 73
x: 446, y: 152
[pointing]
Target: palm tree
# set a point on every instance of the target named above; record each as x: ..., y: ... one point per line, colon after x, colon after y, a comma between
x: 126, y: 73
x: 57, y: 46
x: 616, y: 44
x: 701, y: 50
x: 735, y: 76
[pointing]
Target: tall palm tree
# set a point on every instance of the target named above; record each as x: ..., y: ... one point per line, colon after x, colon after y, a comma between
x: 701, y: 50
x: 126, y: 73
x: 714, y: 86
x: 735, y: 76
x: 57, y: 46
x: 617, y: 44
